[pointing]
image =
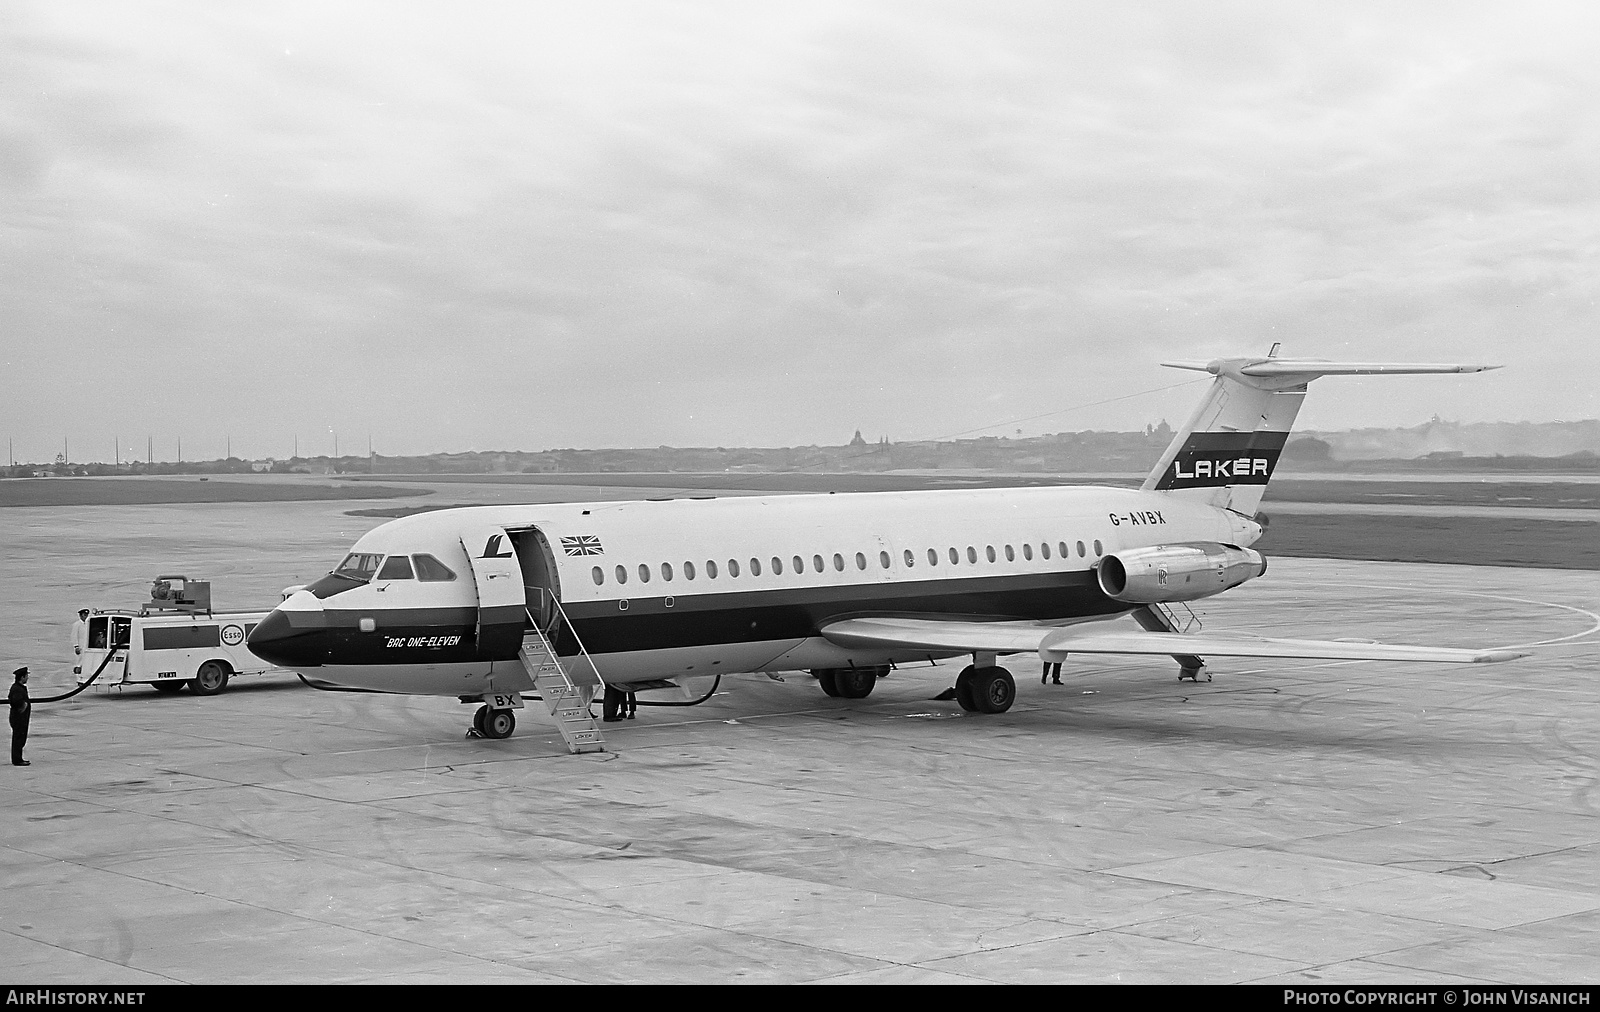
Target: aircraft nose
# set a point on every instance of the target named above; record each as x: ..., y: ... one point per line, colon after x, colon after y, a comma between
x: 294, y: 636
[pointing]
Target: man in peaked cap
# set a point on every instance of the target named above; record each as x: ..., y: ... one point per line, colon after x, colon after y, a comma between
x: 21, y: 711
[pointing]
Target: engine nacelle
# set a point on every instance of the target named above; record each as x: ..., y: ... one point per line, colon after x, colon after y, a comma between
x: 1181, y: 572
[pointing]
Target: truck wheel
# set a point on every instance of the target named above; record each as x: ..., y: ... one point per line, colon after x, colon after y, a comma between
x: 167, y: 688
x: 211, y: 679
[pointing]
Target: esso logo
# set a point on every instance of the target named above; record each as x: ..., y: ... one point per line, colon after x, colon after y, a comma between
x: 232, y: 635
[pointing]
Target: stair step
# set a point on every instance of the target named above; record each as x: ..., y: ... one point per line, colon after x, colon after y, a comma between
x: 561, y: 696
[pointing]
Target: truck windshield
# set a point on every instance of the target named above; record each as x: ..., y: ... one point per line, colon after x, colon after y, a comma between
x: 97, y: 634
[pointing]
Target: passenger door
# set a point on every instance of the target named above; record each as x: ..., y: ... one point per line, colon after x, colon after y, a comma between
x: 502, y: 607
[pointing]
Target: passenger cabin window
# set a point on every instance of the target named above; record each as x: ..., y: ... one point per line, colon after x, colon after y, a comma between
x: 711, y: 569
x: 1044, y: 549
x: 599, y: 576
x: 1081, y: 552
x: 933, y: 557
x: 666, y: 571
x: 1097, y: 549
x: 431, y: 570
x: 911, y: 560
x: 755, y: 567
x: 1010, y: 555
x: 861, y: 561
x: 816, y: 563
x: 883, y: 559
x: 1065, y: 551
x: 799, y: 564
x: 777, y: 566
x: 622, y: 574
x: 1027, y: 552
x: 988, y: 551
x: 644, y: 573
x: 733, y: 567
x: 396, y: 567
x: 688, y: 570
x: 838, y: 563
x: 955, y: 557
x: 972, y: 554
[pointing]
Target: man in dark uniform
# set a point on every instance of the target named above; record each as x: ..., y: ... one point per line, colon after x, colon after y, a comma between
x: 21, y: 710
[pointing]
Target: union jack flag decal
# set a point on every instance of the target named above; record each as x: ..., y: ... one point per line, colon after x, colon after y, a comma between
x: 583, y: 544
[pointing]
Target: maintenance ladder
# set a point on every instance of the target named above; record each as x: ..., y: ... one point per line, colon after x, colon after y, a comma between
x: 563, y: 693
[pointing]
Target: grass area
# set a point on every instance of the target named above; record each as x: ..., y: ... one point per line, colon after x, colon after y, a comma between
x: 394, y: 512
x: 1547, y: 494
x: 152, y: 491
x: 1551, y: 494
x: 1470, y: 541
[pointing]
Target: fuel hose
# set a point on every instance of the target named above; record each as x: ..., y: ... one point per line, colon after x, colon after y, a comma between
x: 68, y: 695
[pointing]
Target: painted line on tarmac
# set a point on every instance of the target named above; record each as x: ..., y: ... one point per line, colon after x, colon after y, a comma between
x: 1594, y: 618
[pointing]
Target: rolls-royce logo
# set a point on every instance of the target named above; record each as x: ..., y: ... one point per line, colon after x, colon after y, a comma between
x: 583, y: 544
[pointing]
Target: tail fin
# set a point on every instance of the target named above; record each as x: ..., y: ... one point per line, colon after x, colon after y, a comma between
x: 1225, y: 454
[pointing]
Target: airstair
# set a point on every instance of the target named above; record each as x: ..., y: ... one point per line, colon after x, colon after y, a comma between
x: 566, y: 693
x: 1174, y: 621
x: 1166, y: 618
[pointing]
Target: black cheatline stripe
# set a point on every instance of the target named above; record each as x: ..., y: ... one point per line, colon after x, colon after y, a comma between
x: 797, y: 613
x: 707, y: 619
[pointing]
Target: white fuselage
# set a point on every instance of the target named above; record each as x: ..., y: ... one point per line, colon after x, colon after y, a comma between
x: 684, y: 588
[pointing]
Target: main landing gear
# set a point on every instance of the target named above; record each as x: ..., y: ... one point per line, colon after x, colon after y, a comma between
x: 494, y: 723
x: 851, y: 683
x: 988, y: 689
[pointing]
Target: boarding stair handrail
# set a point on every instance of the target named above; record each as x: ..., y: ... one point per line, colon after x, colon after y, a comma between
x: 583, y: 651
x: 1193, y: 624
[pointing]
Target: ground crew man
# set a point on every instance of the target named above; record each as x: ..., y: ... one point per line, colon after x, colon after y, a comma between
x: 21, y: 710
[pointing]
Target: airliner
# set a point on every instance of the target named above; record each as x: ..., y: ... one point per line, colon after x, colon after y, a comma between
x: 665, y: 594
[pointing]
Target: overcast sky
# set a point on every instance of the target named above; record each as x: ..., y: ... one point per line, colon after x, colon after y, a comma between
x: 525, y: 225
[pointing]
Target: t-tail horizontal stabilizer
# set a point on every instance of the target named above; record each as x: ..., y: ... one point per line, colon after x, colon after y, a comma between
x: 1226, y: 453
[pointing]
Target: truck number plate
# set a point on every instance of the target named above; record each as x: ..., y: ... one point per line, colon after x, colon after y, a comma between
x: 166, y: 674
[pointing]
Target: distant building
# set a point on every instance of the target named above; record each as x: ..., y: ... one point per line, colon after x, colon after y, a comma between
x: 858, y: 441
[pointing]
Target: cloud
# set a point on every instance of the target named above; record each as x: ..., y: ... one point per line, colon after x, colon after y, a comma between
x: 544, y: 225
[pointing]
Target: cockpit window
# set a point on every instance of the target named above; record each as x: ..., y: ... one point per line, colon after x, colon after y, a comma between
x: 397, y: 567
x: 431, y: 569
x: 356, y: 570
x: 358, y: 566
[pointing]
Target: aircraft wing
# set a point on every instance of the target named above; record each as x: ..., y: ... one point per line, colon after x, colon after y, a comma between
x: 1052, y: 643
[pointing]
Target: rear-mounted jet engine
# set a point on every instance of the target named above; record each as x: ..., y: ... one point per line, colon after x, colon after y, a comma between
x: 1181, y: 572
